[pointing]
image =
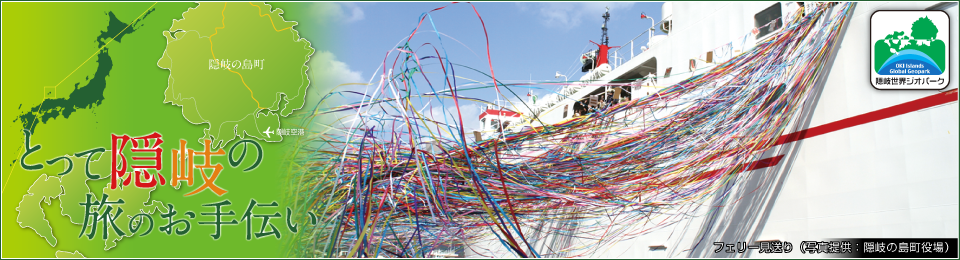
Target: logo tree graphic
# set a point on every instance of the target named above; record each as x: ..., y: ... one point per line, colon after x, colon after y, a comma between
x: 924, y: 29
x: 922, y: 38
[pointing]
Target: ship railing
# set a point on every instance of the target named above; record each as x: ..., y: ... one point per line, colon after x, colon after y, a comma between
x: 566, y: 92
x: 619, y: 58
x: 501, y: 104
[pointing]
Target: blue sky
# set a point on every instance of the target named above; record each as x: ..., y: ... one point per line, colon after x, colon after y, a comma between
x: 528, y: 41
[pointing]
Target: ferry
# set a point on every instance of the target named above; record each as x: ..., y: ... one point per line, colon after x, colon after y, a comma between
x: 858, y: 161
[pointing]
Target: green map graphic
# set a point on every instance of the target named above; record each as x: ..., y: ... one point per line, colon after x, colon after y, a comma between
x: 922, y: 37
x: 71, y: 189
x: 91, y: 94
x: 237, y: 103
x: 77, y: 72
x: 264, y: 77
x: 66, y: 254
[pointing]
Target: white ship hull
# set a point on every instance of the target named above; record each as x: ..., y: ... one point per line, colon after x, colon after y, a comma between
x: 893, y: 177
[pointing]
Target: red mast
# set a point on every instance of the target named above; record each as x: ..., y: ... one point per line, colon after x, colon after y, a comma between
x: 604, y: 40
x: 603, y: 47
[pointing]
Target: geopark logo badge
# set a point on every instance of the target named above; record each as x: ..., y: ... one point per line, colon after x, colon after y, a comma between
x: 909, y: 50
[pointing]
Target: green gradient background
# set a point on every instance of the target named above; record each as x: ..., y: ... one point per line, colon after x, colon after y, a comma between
x: 44, y: 42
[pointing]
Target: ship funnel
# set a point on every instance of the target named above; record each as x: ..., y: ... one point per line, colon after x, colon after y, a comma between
x: 666, y: 10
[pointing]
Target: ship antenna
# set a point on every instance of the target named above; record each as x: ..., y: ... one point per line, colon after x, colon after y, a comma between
x: 604, y: 40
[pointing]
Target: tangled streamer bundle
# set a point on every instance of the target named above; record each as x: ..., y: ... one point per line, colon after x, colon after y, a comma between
x: 387, y: 183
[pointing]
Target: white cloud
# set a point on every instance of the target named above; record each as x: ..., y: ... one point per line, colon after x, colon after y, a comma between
x: 469, y: 112
x: 343, y: 12
x: 568, y: 15
x: 328, y: 71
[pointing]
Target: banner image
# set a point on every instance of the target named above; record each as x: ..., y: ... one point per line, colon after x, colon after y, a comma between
x: 479, y: 130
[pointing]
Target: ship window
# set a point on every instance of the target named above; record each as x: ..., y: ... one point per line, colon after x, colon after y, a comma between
x: 769, y: 19
x: 483, y: 123
x: 565, y: 107
x: 667, y: 73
